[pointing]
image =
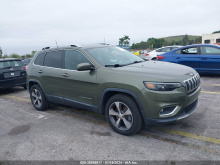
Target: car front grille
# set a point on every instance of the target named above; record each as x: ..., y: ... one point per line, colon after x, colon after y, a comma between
x: 192, y: 83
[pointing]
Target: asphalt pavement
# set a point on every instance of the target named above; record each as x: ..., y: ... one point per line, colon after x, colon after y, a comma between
x: 66, y: 133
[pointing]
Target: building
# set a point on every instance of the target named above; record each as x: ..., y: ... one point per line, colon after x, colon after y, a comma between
x: 211, y: 38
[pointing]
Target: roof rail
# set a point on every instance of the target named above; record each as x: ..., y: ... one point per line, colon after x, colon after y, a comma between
x: 75, y: 45
x: 46, y: 48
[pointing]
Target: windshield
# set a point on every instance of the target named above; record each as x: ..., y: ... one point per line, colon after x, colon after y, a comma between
x: 9, y: 64
x: 113, y: 56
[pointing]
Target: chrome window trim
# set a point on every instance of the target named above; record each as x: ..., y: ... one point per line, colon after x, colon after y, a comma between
x: 82, y: 54
x: 64, y: 57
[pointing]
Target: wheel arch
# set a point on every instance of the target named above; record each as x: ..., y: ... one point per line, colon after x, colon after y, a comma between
x: 32, y: 82
x: 109, y: 92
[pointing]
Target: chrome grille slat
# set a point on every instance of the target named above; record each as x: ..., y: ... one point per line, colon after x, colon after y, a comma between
x: 192, y: 83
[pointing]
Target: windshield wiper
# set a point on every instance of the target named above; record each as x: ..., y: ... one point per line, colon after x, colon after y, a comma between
x: 115, y: 65
x: 137, y: 61
x: 118, y: 65
x: 134, y: 62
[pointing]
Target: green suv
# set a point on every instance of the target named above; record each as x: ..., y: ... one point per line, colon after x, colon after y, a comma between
x: 114, y: 82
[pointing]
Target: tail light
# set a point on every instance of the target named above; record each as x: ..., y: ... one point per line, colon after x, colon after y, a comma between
x: 147, y: 54
x: 26, y: 67
x: 160, y: 57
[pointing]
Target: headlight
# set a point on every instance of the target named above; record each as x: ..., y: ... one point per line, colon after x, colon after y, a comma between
x: 162, y: 86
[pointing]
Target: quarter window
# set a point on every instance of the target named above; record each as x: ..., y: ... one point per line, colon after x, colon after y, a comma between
x: 73, y: 58
x: 207, y: 50
x: 53, y: 59
x: 40, y: 59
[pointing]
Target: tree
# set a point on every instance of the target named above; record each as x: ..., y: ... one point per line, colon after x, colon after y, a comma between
x: 185, y: 40
x: 151, y: 42
x: 0, y: 52
x: 216, y: 32
x: 198, y: 40
x: 121, y: 41
x: 33, y: 52
x: 14, y: 55
x: 126, y: 39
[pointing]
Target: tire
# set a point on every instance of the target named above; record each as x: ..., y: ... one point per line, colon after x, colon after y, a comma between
x: 25, y: 86
x: 38, y: 98
x: 123, y: 115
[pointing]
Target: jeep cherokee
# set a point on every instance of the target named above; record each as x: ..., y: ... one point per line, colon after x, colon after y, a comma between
x: 114, y: 82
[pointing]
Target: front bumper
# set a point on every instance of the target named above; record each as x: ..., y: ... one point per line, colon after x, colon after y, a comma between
x: 185, y: 112
x: 153, y: 102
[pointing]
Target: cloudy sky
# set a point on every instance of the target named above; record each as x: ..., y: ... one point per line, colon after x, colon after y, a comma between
x: 27, y: 25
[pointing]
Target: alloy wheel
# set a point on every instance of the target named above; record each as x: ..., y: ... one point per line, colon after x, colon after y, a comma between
x: 120, y: 115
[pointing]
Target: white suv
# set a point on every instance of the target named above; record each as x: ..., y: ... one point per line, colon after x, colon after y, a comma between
x: 153, y: 54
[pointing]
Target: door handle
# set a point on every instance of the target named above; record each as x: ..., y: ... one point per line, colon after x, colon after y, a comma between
x: 65, y: 75
x: 40, y: 71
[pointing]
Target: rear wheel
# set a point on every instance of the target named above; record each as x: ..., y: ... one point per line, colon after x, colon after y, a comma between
x: 38, y: 98
x: 123, y: 114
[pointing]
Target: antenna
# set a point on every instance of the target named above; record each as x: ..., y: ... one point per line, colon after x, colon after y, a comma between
x: 56, y: 43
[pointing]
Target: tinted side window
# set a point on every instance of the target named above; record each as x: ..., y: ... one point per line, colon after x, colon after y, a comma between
x: 191, y: 50
x: 39, y: 60
x: 159, y: 50
x: 73, y: 58
x: 206, y: 50
x: 53, y: 59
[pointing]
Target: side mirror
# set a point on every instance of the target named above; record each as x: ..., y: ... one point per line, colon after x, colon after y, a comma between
x: 85, y: 66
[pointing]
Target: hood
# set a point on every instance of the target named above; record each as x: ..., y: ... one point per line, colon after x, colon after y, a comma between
x: 156, y: 70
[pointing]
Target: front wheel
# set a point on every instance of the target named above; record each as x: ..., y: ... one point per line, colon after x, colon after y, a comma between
x: 123, y: 114
x: 38, y: 98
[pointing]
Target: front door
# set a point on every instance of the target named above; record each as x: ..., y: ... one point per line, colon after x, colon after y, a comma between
x: 79, y: 87
x: 187, y: 56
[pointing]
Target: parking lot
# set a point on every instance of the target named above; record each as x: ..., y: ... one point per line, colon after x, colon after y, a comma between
x: 66, y: 133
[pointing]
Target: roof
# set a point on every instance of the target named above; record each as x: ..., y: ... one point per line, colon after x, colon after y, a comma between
x: 9, y: 59
x: 214, y: 45
x: 77, y: 46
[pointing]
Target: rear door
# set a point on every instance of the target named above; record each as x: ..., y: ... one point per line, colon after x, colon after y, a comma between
x: 50, y: 75
x: 210, y: 58
x: 188, y: 56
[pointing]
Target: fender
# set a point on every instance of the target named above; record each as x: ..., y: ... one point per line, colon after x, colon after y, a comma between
x: 36, y: 81
x: 122, y: 91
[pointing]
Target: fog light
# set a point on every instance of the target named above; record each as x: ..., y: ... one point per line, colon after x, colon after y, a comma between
x: 168, y: 111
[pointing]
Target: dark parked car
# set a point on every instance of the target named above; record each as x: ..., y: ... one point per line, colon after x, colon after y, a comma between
x: 110, y: 80
x: 12, y: 73
x: 202, y: 57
